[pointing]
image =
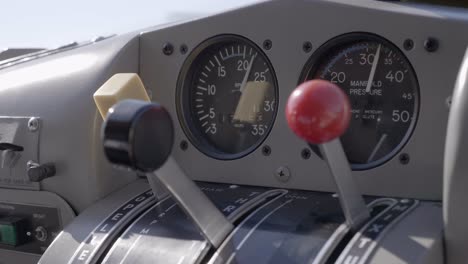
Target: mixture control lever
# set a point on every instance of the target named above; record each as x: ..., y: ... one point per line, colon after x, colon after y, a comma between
x: 319, y: 112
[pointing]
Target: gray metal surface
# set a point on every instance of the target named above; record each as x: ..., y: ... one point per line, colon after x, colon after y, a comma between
x: 288, y: 24
x: 416, y: 238
x: 177, y: 238
x: 70, y: 240
x: 292, y: 228
x: 286, y: 227
x: 161, y: 235
x: 368, y: 238
x: 15, y: 52
x: 58, y: 89
x: 106, y: 231
x: 456, y: 171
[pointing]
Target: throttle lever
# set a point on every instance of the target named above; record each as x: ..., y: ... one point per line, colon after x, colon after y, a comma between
x: 318, y: 111
x: 140, y: 135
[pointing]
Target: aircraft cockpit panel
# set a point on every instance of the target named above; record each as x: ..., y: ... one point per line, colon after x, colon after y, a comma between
x: 279, y: 132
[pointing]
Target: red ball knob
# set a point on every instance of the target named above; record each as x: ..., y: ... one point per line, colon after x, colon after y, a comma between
x: 318, y: 111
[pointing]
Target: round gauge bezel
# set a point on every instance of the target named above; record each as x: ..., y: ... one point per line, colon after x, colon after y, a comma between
x: 184, y: 83
x: 339, y: 42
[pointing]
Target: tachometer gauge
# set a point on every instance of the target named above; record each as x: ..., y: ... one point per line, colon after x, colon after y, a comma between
x: 227, y: 97
x: 383, y: 90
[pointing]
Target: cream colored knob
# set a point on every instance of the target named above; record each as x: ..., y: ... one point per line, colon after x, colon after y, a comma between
x: 119, y: 87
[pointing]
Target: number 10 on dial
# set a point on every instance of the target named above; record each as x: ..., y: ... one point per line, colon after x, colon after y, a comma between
x: 228, y: 97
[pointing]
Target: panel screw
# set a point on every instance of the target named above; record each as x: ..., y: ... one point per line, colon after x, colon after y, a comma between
x: 33, y: 124
x: 448, y: 102
x: 283, y: 174
x: 30, y: 163
x: 168, y: 48
x: 266, y: 150
x: 307, y: 46
x: 404, y: 158
x: 183, y: 49
x: 431, y: 44
x: 408, y: 44
x: 305, y: 153
x: 267, y: 44
x: 183, y: 145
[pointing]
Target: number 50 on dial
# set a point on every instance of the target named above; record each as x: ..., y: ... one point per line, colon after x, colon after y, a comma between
x: 383, y: 91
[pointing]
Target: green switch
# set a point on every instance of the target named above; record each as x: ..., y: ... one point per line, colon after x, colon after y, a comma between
x: 12, y: 230
x: 8, y: 235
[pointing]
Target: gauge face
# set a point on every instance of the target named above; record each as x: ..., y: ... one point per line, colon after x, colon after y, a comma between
x: 383, y: 91
x: 228, y: 97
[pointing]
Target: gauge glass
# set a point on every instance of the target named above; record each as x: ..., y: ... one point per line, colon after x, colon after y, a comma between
x: 228, y: 97
x: 383, y: 91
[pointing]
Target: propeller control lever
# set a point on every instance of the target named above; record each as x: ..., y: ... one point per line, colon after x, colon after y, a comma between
x: 318, y: 111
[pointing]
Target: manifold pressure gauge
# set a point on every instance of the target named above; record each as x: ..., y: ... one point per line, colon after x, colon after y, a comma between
x: 383, y: 91
x: 227, y: 97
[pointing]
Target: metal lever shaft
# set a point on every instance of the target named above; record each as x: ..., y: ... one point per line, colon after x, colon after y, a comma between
x: 352, y: 203
x: 140, y: 135
x: 319, y: 112
x: 212, y: 223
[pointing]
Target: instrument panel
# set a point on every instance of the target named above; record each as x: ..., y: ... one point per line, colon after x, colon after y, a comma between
x: 225, y: 80
x: 383, y: 90
x: 231, y: 115
x: 228, y: 93
x: 227, y: 97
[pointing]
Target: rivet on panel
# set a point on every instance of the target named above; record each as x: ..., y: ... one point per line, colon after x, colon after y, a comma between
x: 283, y: 174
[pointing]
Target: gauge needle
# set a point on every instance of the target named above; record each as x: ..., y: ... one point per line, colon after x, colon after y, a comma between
x: 247, y: 73
x: 372, y: 72
x: 377, y: 147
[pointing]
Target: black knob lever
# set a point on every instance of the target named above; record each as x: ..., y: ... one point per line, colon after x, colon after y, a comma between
x: 38, y: 172
x: 140, y: 135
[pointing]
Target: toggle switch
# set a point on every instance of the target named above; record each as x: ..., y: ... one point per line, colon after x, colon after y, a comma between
x: 41, y: 233
x: 38, y: 172
x: 319, y: 112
